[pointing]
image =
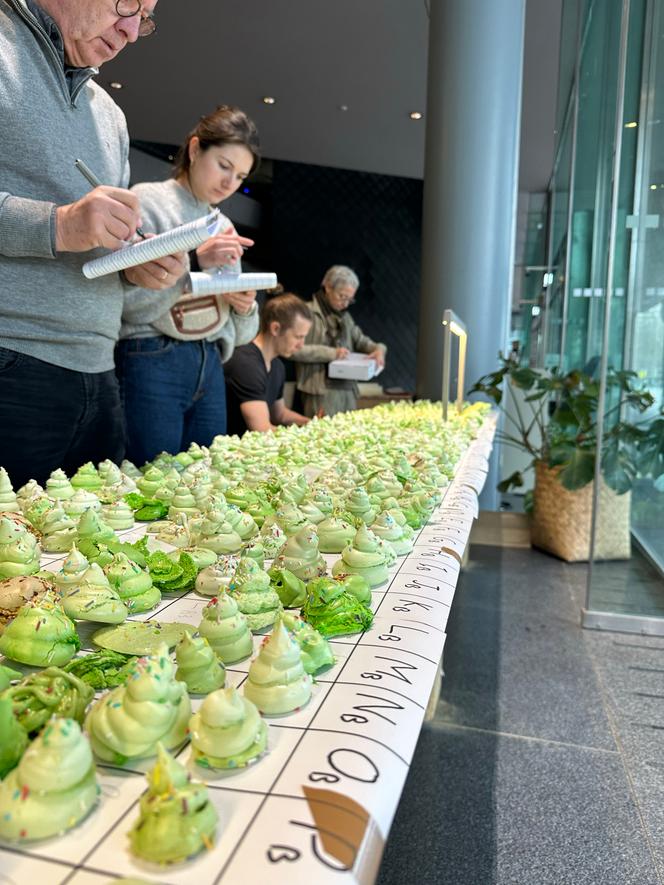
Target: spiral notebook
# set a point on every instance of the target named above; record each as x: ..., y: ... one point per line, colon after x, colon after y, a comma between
x: 179, y: 239
x: 218, y: 282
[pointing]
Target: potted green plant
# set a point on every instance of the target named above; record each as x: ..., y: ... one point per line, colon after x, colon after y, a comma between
x: 554, y: 421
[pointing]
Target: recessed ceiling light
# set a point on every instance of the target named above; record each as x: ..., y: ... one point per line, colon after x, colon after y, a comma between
x: 269, y: 99
x: 631, y: 125
x: 115, y: 85
x: 415, y: 115
x: 343, y: 107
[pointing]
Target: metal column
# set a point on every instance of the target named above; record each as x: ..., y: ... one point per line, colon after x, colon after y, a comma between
x: 470, y: 182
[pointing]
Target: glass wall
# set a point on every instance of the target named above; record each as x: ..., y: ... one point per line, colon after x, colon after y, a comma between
x: 606, y: 308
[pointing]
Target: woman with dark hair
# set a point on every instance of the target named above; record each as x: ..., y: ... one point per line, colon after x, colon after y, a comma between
x: 170, y: 356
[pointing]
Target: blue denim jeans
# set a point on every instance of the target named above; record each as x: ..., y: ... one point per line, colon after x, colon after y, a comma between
x: 53, y: 417
x: 173, y: 394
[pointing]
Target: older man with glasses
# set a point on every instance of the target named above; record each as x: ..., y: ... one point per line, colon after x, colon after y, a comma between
x: 59, y: 400
x: 333, y: 335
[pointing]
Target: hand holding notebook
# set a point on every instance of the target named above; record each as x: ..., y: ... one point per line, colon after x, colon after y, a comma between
x: 180, y: 239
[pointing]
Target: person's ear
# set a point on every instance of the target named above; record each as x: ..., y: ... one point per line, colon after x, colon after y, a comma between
x: 275, y: 328
x: 193, y: 148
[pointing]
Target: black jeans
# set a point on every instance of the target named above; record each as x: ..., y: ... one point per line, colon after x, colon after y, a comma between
x: 52, y: 417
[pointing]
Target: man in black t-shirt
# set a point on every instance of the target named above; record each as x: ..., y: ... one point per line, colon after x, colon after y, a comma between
x: 255, y: 374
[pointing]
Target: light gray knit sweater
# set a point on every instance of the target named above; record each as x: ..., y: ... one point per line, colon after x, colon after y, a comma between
x: 165, y: 204
x: 47, y: 307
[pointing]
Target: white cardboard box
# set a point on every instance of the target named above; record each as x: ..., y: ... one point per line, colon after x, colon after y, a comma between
x: 355, y: 367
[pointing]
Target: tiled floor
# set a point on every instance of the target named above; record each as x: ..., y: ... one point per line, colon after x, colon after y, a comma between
x: 545, y: 762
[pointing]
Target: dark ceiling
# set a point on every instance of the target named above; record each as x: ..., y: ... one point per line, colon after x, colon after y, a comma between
x: 315, y: 58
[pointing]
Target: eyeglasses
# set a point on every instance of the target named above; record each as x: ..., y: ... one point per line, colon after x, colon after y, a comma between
x: 130, y: 8
x: 344, y: 299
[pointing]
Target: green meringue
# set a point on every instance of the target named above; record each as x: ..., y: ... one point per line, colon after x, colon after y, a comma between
x: 19, y: 550
x: 52, y: 788
x: 387, y: 528
x: 254, y: 550
x: 363, y: 557
x: 92, y: 528
x: 7, y: 674
x: 277, y: 683
x: 217, y: 577
x: 129, y: 721
x: 292, y: 590
x: 93, y: 599
x: 255, y: 598
x: 333, y: 611
x: 37, y: 509
x: 359, y: 505
x: 200, y: 556
x: 50, y: 692
x: 28, y: 493
x: 118, y: 515
x: 315, y: 650
x: 334, y: 533
x: 58, y: 486
x: 311, y: 512
x: 8, y: 498
x: 241, y: 522
x: 176, y: 818
x: 227, y: 732
x: 291, y: 519
x: 357, y: 586
x: 41, y: 634
x: 226, y: 629
x: 218, y: 535
x: 301, y: 556
x: 13, y: 738
x: 183, y: 502
x: 198, y: 665
x: 81, y: 501
x: 58, y: 531
x: 132, y: 583
x: 273, y: 538
x: 109, y: 472
x: 86, y: 477
x: 130, y: 469
x: 148, y: 482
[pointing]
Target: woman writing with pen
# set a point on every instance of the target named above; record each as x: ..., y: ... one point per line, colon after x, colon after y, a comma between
x: 169, y: 358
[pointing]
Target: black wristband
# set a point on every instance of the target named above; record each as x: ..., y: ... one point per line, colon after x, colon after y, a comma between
x: 193, y: 261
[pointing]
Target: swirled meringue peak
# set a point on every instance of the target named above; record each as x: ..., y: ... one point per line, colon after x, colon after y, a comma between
x: 129, y: 721
x: 363, y: 557
x: 52, y: 788
x: 227, y: 732
x: 277, y: 682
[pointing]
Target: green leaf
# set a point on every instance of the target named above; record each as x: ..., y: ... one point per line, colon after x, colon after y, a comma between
x: 561, y: 454
x: 523, y: 378
x: 618, y: 469
x: 564, y: 416
x: 515, y: 481
x: 579, y: 470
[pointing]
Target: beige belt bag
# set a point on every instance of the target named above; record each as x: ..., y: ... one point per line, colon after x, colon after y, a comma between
x: 194, y: 318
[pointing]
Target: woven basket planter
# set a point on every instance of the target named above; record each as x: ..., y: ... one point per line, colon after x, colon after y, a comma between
x: 561, y: 520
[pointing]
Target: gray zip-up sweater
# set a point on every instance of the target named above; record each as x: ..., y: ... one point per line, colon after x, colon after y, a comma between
x: 47, y: 307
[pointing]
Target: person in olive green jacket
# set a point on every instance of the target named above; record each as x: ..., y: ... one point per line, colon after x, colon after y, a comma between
x: 333, y: 335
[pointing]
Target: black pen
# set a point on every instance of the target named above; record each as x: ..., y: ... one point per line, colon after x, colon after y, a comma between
x: 92, y: 179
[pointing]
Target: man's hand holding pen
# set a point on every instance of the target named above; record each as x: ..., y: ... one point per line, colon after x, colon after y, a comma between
x: 106, y: 217
x: 109, y: 217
